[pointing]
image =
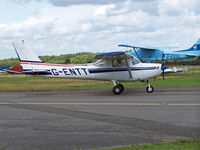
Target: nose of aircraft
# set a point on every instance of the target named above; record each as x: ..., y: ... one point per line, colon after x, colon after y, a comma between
x: 163, y: 69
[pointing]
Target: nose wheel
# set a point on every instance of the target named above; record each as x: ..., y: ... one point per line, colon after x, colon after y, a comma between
x: 149, y: 88
x: 118, y: 88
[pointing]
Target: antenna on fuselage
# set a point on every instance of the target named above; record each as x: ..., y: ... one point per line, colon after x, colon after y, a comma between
x: 23, y: 43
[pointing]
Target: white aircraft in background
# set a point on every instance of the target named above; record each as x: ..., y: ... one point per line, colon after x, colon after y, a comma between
x: 113, y: 66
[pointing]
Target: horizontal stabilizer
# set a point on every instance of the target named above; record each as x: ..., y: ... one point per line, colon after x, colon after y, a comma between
x: 15, y: 69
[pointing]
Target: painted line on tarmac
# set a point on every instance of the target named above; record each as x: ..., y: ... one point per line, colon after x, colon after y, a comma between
x: 85, y: 94
x: 103, y: 104
x: 178, y: 104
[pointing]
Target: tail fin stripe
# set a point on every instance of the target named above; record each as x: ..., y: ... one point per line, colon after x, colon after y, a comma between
x: 31, y: 61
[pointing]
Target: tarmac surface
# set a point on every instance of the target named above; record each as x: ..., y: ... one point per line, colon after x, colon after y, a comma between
x: 84, y: 119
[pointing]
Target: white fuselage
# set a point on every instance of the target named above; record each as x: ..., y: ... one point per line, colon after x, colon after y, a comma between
x: 140, y: 71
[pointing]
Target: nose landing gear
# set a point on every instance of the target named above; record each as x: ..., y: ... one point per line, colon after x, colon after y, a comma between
x: 149, y: 88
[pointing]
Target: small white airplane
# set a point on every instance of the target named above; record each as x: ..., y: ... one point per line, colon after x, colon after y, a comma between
x: 174, y: 69
x: 112, y: 66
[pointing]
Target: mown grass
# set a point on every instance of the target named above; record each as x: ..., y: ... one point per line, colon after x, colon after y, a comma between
x: 30, y: 83
x: 177, y: 145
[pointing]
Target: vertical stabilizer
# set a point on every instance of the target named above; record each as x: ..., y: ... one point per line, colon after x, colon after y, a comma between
x: 196, y: 46
x: 25, y: 54
x: 198, y: 42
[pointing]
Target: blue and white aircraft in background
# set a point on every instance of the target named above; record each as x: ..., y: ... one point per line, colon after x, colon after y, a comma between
x: 151, y: 54
x: 113, y: 66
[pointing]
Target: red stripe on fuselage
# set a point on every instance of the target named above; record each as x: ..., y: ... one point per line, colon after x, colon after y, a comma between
x: 43, y: 64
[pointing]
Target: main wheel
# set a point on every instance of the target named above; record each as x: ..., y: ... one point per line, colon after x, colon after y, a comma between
x: 149, y: 89
x: 118, y: 89
x: 121, y: 86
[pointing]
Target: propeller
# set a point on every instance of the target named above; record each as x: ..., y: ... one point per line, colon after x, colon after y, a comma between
x: 163, y: 66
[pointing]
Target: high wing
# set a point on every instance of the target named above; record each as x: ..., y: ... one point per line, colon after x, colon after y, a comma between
x: 110, y: 55
x: 142, y: 52
x: 135, y: 47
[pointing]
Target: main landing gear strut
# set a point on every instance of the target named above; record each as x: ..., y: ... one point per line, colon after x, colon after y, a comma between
x: 119, y: 88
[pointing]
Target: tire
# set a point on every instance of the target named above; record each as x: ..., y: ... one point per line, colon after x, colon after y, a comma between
x: 150, y: 89
x: 121, y: 86
x: 117, y: 90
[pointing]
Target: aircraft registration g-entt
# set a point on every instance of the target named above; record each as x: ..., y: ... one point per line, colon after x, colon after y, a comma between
x: 112, y: 66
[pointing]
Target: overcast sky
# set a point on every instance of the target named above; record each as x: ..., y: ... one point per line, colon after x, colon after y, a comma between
x: 54, y: 27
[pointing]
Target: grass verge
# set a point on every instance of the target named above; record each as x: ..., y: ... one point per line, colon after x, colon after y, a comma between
x: 183, y: 144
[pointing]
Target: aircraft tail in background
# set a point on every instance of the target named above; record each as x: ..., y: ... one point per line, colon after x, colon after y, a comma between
x: 195, y: 47
x: 198, y: 42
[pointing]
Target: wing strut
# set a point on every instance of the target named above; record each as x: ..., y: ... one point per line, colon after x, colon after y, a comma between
x: 129, y: 69
x: 136, y: 53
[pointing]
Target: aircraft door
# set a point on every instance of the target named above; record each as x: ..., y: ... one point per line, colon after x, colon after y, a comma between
x: 122, y: 63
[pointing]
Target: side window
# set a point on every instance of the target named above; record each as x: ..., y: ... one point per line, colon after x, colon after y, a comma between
x: 119, y: 62
x: 103, y: 63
